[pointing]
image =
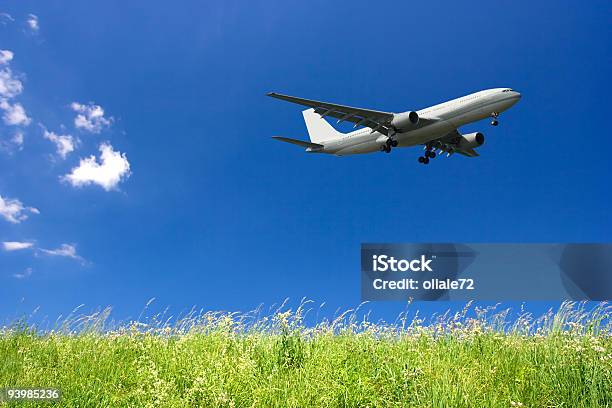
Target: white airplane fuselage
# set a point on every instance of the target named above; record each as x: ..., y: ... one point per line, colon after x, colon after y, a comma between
x: 447, y: 116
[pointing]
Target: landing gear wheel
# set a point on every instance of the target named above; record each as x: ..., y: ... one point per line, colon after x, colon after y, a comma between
x: 426, y: 160
x: 494, y: 115
x: 421, y: 159
x: 394, y: 143
x: 387, y: 149
x: 432, y: 154
x: 383, y: 148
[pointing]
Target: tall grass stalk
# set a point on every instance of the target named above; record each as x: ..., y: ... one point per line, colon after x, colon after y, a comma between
x: 478, y: 357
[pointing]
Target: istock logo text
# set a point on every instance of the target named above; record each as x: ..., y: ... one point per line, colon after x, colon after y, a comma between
x: 383, y: 263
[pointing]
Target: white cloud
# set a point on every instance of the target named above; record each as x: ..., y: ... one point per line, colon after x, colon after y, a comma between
x: 6, y: 56
x: 6, y: 18
x: 10, y: 86
x: 63, y: 143
x: 65, y: 250
x: 15, y: 114
x: 25, y: 274
x: 16, y: 246
x: 18, y: 139
x: 14, y: 143
x: 32, y: 22
x: 112, y: 168
x: 90, y: 117
x: 14, y: 211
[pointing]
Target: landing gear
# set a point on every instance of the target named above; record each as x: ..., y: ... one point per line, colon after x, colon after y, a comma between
x: 388, y: 145
x: 494, y: 115
x: 429, y: 154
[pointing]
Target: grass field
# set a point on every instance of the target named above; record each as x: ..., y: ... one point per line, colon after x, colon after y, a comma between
x: 227, y: 360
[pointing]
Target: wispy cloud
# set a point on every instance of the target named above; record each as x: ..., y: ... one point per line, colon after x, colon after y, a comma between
x: 14, y: 211
x: 108, y: 173
x: 16, y: 245
x: 6, y: 18
x: 64, y: 144
x: 17, y: 139
x: 32, y: 22
x: 6, y: 56
x: 90, y: 117
x: 65, y: 250
x: 14, y: 114
x: 23, y: 275
x: 14, y: 143
x: 10, y: 85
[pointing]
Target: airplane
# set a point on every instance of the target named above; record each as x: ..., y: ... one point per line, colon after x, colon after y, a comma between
x: 436, y: 127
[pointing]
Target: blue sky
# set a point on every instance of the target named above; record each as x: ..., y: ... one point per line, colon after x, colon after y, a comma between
x: 196, y: 205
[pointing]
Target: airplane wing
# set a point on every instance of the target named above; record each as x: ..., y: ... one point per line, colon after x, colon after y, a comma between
x: 449, y: 144
x: 468, y: 152
x: 375, y: 120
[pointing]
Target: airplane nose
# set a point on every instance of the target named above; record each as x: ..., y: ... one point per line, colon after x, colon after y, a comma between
x: 517, y: 94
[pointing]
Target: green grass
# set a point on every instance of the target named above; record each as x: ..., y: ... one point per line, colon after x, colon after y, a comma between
x: 226, y: 360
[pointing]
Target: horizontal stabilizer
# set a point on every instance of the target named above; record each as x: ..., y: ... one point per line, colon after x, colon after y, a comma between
x: 298, y: 142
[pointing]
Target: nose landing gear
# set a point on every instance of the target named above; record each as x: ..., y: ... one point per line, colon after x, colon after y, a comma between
x: 494, y: 115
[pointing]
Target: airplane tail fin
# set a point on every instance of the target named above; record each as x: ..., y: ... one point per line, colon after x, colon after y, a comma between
x: 319, y: 129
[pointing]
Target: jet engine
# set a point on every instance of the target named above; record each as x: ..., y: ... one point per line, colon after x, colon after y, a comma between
x: 471, y: 140
x: 405, y: 120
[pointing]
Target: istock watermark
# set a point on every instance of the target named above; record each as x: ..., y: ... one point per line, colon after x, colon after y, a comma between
x: 383, y: 263
x: 496, y: 272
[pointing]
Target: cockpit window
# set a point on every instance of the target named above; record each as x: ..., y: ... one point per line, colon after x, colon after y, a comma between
x: 507, y: 90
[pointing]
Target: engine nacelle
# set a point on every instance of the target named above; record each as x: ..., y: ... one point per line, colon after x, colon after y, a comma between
x: 471, y: 140
x: 405, y: 120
